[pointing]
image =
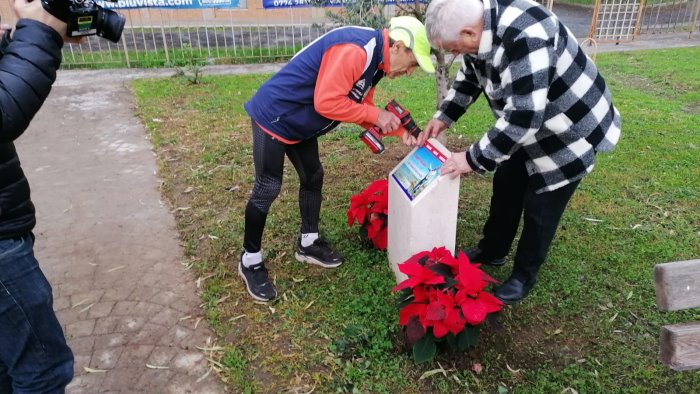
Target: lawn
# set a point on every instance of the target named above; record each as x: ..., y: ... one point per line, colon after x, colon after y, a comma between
x: 591, y: 324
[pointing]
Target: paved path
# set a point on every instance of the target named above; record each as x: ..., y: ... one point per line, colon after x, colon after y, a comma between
x: 108, y: 243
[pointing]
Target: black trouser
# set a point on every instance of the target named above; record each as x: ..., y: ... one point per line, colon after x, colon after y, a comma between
x: 513, y: 197
x: 268, y: 156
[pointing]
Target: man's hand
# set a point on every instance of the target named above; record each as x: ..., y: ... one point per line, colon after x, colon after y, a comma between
x: 5, y: 29
x: 32, y: 9
x: 387, y: 121
x: 456, y: 165
x: 408, y: 139
x: 432, y: 130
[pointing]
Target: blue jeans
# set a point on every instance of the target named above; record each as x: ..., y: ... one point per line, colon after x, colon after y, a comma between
x: 34, y: 356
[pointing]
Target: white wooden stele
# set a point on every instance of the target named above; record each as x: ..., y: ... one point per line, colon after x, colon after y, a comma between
x: 420, y: 220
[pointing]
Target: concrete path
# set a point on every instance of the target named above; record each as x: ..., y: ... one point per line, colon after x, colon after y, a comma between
x: 108, y: 243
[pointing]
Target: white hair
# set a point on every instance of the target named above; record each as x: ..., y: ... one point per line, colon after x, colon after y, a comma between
x: 445, y: 18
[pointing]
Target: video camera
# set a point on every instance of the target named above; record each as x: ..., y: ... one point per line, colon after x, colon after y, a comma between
x: 87, y: 18
x: 372, y: 137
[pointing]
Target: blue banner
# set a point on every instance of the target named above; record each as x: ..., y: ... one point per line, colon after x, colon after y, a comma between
x: 172, y: 4
x: 326, y: 3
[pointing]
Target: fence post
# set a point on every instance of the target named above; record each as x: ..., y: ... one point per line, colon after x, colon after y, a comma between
x: 126, y: 52
x: 694, y: 18
x: 165, y: 42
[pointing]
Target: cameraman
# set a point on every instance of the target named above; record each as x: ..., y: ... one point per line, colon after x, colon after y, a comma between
x: 34, y: 356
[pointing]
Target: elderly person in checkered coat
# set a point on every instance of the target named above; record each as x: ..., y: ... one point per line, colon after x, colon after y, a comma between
x: 553, y: 113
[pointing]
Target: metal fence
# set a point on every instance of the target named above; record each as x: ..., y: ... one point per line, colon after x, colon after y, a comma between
x: 665, y: 16
x: 197, y: 45
x: 157, y: 38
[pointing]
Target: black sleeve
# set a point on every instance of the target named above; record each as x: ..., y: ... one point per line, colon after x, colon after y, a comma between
x: 27, y: 70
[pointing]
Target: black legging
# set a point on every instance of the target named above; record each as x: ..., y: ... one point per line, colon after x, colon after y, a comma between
x: 268, y: 156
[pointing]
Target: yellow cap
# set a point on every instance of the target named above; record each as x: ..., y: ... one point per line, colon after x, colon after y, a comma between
x: 412, y: 32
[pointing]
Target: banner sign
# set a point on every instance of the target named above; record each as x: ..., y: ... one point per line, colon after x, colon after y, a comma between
x: 326, y: 3
x: 172, y: 4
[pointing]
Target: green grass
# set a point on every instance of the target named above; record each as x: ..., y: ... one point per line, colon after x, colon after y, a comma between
x: 590, y: 325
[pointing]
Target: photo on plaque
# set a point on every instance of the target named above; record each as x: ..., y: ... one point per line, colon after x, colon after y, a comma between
x: 419, y: 170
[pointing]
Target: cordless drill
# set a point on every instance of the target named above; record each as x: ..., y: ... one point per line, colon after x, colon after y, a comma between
x: 372, y: 137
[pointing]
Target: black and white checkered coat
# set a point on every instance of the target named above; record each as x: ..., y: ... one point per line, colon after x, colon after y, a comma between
x: 547, y: 95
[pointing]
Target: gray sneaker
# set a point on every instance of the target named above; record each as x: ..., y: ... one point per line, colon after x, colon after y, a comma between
x: 319, y: 253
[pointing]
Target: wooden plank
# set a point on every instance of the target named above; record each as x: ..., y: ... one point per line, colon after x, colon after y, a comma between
x: 680, y: 346
x: 677, y: 285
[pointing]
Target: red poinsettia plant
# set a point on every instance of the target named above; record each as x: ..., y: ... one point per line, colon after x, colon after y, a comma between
x: 369, y: 209
x: 443, y: 299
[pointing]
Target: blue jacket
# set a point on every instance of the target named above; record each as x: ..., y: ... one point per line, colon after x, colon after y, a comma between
x: 284, y: 105
x: 28, y: 64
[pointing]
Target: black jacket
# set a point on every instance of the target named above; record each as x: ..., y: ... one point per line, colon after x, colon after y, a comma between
x: 28, y: 64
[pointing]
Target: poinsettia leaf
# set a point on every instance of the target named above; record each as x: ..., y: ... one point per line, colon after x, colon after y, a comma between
x: 416, y: 258
x: 408, y: 283
x: 490, y: 302
x: 469, y: 337
x: 471, y: 279
x: 441, y: 269
x: 455, y: 321
x: 404, y: 297
x: 451, y: 341
x: 411, y: 268
x: 423, y: 258
x: 440, y: 329
x: 380, y: 241
x: 424, y: 350
x: 488, y: 278
x: 436, y: 311
x: 474, y: 311
x: 451, y: 282
x: 411, y: 310
x: 414, y: 330
x: 373, y: 228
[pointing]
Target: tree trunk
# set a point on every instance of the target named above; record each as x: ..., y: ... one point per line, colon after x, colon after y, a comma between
x: 442, y: 80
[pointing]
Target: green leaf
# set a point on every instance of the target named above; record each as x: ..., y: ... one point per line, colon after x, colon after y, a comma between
x: 469, y: 337
x: 502, y: 389
x: 424, y: 350
x: 452, y: 341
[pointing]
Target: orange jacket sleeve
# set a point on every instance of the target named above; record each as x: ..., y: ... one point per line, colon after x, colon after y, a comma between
x: 342, y: 65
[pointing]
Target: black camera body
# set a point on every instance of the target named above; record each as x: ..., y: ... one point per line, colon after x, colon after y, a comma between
x: 87, y: 18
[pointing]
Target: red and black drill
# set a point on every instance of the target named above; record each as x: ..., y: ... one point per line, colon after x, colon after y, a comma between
x: 372, y: 137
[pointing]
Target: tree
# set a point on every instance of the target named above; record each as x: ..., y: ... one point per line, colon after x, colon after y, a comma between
x: 356, y: 13
x: 370, y: 13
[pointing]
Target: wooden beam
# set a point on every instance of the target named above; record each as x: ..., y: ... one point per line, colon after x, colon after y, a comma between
x: 677, y: 285
x: 680, y: 346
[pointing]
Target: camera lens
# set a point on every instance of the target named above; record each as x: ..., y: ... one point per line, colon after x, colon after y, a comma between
x: 110, y: 24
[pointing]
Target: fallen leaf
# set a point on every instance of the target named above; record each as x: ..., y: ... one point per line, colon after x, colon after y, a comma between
x: 477, y: 368
x: 512, y: 370
x: 156, y: 366
x: 428, y: 374
x: 93, y: 370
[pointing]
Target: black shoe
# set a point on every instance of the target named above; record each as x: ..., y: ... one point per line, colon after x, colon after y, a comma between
x: 476, y: 255
x: 319, y: 253
x: 513, y: 290
x: 257, y: 281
